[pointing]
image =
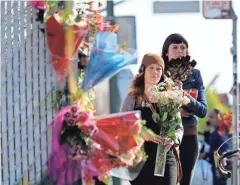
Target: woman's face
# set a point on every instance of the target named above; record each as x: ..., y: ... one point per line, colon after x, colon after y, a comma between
x: 176, y: 51
x: 213, y: 119
x: 153, y: 74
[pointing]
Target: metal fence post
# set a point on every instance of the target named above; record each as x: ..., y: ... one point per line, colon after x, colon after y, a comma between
x: 235, y: 108
x: 113, y: 81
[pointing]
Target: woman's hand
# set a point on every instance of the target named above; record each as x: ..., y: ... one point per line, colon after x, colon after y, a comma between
x: 178, y: 84
x: 168, y: 143
x: 151, y: 137
x: 184, y: 114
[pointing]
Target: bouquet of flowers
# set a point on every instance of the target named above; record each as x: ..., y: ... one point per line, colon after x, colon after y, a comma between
x: 225, y: 123
x: 84, y: 146
x: 119, y: 134
x: 106, y: 58
x: 119, y: 143
x: 169, y: 99
x: 69, y: 25
x: 180, y: 68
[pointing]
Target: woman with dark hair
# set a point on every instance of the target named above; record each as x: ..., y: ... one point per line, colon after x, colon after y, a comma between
x: 139, y: 98
x: 176, y: 46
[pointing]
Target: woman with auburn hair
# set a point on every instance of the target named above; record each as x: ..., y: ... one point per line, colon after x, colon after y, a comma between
x: 139, y: 98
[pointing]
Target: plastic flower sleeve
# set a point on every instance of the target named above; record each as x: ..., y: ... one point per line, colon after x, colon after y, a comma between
x: 106, y: 59
x: 83, y: 146
x: 161, y: 156
x: 119, y: 143
x: 61, y: 167
x: 116, y: 131
x: 58, y: 40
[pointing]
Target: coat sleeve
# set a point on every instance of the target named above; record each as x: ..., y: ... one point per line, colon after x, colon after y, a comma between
x: 128, y: 104
x: 199, y: 106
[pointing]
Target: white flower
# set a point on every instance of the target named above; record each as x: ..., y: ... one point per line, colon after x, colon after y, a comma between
x: 178, y: 115
x: 182, y: 100
x: 173, y: 95
x: 161, y: 88
x: 154, y: 90
x: 162, y: 96
x: 186, y: 100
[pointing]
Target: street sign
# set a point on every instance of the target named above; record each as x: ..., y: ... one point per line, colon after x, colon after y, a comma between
x: 176, y: 6
x: 217, y: 9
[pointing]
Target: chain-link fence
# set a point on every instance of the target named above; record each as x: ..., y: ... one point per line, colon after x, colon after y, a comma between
x: 27, y: 86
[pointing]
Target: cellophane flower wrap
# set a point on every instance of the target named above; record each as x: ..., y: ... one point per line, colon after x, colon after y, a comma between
x: 119, y: 134
x: 106, y: 58
x: 168, y: 99
x: 67, y: 142
x: 68, y: 26
x: 84, y: 146
x: 63, y: 42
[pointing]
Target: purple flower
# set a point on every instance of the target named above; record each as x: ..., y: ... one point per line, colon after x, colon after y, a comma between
x: 74, y: 109
x: 67, y: 115
x: 71, y: 122
x: 74, y: 116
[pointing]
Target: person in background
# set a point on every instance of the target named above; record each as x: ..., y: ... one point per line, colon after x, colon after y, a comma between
x: 176, y: 46
x: 203, y: 171
x: 215, y: 134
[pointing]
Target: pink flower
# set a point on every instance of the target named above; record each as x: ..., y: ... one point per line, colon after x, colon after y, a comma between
x: 67, y: 115
x: 74, y: 116
x: 74, y: 109
x: 71, y: 122
x: 83, y: 116
x: 38, y: 4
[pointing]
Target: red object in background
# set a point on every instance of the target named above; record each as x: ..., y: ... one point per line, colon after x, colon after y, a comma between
x: 192, y: 92
x: 226, y: 121
x: 117, y: 132
x: 56, y: 40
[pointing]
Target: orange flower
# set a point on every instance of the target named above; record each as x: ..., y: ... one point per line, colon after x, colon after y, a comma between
x: 168, y: 86
x: 115, y: 28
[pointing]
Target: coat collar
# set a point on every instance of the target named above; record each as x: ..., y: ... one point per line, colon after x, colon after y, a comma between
x: 190, y: 79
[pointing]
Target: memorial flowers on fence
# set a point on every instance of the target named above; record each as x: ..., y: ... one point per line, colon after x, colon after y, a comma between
x: 95, y: 145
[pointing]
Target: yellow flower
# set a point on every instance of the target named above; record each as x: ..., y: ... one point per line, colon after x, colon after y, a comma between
x: 78, y: 124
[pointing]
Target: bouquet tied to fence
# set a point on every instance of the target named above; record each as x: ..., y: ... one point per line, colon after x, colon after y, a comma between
x: 84, y: 146
x: 169, y: 99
